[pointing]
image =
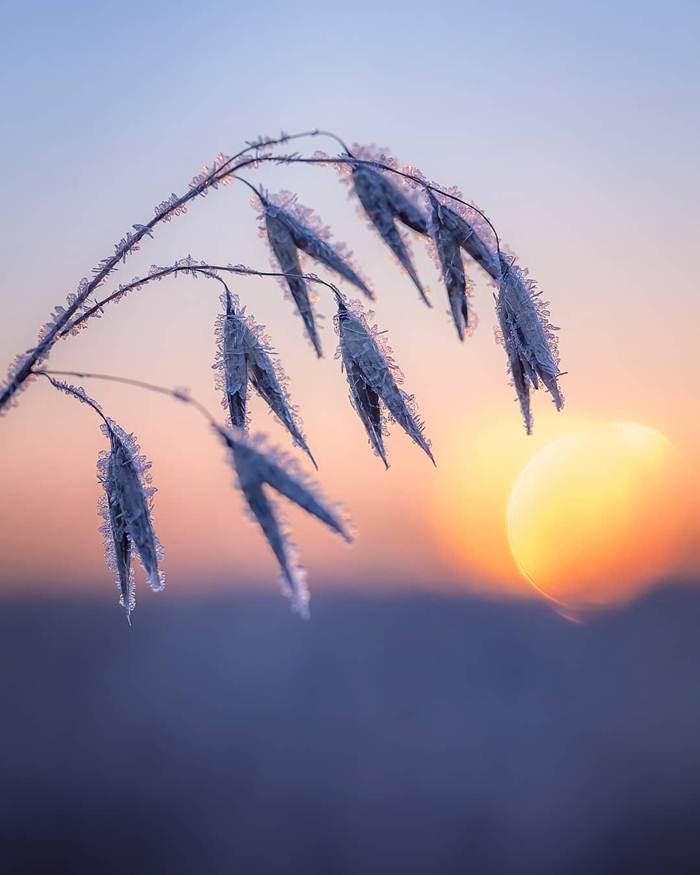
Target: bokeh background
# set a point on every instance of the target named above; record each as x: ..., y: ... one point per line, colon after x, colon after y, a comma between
x: 436, y: 713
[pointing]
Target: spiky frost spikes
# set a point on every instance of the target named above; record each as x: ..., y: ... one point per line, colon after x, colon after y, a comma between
x: 245, y: 356
x: 258, y: 467
x: 528, y: 338
x: 126, y: 508
x: 384, y: 203
x: 291, y: 228
x: 373, y: 378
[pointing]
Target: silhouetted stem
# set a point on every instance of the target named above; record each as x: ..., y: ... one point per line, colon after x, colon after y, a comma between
x: 64, y: 387
x: 127, y: 381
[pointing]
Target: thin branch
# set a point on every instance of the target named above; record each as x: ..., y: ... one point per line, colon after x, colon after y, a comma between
x: 64, y: 387
x: 259, y: 194
x: 178, y: 395
x: 204, y: 269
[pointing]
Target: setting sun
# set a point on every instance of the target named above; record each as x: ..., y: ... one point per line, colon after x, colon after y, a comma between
x: 598, y: 515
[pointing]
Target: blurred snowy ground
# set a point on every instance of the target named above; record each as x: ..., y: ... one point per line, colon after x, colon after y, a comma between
x: 416, y: 734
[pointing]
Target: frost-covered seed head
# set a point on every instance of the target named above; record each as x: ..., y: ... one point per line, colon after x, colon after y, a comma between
x: 374, y: 379
x: 244, y: 355
x: 383, y: 203
x: 469, y: 230
x: 285, y: 252
x: 259, y: 468
x: 313, y: 237
x: 527, y: 336
x: 448, y: 256
x: 126, y: 509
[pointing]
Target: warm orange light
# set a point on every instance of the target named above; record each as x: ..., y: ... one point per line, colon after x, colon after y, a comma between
x: 597, y: 516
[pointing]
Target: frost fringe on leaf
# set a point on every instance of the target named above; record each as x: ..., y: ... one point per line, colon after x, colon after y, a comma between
x: 385, y: 201
x: 291, y: 228
x: 528, y: 337
x: 315, y: 238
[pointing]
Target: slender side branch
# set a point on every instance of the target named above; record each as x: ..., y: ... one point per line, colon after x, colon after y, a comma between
x: 70, y: 390
x: 177, y: 394
x: 192, y: 267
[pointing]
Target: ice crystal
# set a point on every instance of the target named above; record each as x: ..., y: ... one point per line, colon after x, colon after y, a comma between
x: 169, y: 208
x: 205, y: 180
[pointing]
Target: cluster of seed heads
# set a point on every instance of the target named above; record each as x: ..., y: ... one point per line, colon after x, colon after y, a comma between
x: 395, y: 200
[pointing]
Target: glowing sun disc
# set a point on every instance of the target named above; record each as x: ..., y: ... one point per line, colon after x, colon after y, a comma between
x: 597, y: 516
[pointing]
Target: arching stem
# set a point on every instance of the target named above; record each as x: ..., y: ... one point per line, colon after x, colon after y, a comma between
x: 64, y: 387
x: 127, y: 381
x: 209, y: 270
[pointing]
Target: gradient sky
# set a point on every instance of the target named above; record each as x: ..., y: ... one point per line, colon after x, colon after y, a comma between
x: 575, y: 126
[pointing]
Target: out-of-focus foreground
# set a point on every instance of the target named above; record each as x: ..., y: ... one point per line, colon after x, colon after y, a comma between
x: 412, y: 734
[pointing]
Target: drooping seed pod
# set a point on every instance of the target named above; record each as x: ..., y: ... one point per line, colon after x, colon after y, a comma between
x: 315, y: 238
x: 126, y: 509
x: 529, y: 339
x: 245, y: 356
x: 257, y: 468
x: 463, y: 228
x: 448, y: 256
x: 126, y: 504
x: 292, y: 228
x: 285, y: 252
x: 374, y: 379
x: 383, y: 204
